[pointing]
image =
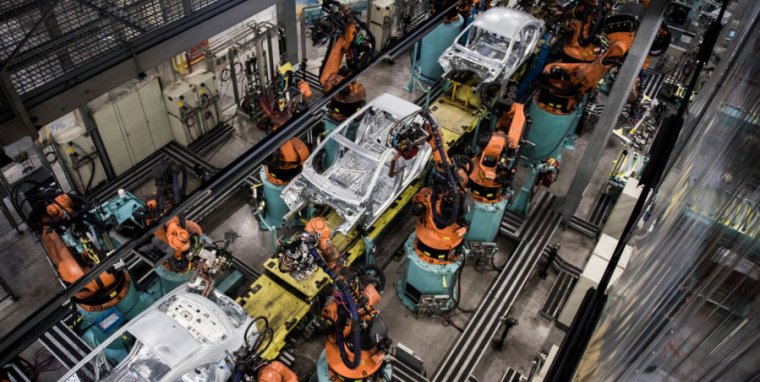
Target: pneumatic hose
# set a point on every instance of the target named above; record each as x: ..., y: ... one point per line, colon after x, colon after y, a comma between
x: 349, y: 300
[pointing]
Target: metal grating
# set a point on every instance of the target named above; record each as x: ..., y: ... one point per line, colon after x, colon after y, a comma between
x: 77, y: 31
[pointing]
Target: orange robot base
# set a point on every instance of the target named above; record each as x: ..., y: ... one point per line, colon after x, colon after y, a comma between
x: 276, y: 372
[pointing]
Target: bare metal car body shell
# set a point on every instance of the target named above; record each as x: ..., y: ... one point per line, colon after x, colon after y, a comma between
x: 520, y: 32
x: 182, y: 337
x: 357, y: 185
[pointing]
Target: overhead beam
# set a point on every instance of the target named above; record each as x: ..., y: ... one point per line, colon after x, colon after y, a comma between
x: 114, y: 69
x: 619, y: 93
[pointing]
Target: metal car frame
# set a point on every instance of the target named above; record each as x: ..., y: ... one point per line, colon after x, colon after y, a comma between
x: 357, y: 185
x: 180, y: 337
x: 517, y: 29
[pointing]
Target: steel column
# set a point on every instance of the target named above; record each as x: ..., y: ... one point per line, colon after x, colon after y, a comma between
x: 622, y: 87
x: 286, y: 19
x: 11, y: 97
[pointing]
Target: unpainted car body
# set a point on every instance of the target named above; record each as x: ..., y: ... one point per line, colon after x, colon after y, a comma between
x: 182, y: 337
x: 357, y: 185
x: 494, y: 45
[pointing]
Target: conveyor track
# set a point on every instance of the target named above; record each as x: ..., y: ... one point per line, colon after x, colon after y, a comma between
x: 463, y: 357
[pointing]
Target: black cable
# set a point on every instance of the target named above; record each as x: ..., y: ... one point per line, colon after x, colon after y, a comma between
x: 93, y: 167
x: 253, y: 322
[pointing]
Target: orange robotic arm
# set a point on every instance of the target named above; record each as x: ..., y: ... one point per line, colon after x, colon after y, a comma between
x: 178, y: 237
x: 277, y: 372
x: 582, y: 77
x: 329, y: 76
x: 91, y: 297
x: 287, y: 162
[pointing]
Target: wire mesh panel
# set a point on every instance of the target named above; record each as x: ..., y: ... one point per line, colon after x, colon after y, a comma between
x: 45, y: 39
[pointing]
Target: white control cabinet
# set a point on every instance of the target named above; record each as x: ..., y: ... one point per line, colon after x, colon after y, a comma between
x: 132, y: 122
x: 204, y: 86
x: 380, y: 15
x: 180, y: 100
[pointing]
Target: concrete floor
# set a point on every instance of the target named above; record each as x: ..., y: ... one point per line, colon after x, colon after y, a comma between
x: 429, y: 339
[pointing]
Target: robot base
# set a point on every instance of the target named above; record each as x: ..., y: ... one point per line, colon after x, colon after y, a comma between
x: 275, y: 207
x: 424, y: 283
x: 550, y: 132
x: 323, y: 370
x: 426, y: 67
x: 169, y: 281
x: 100, y: 325
x: 485, y: 220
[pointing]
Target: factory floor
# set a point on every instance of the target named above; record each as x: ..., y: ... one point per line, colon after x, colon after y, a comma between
x: 26, y: 263
x: 429, y: 339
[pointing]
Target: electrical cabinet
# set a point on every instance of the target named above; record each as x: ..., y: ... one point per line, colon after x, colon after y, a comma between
x: 204, y: 86
x: 180, y: 101
x: 380, y: 15
x: 77, y: 151
x: 132, y: 122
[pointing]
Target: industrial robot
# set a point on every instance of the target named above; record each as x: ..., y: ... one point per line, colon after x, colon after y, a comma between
x: 73, y: 237
x: 493, y: 170
x: 429, y: 285
x: 278, y: 102
x: 597, y: 43
x: 182, y: 243
x: 273, y: 105
x: 356, y: 348
x: 346, y: 36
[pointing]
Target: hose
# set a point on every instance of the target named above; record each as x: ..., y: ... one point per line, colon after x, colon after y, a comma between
x: 349, y: 300
x: 449, y: 177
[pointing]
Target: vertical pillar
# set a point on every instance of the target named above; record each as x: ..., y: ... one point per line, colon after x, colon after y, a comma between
x: 286, y: 18
x: 9, y: 94
x: 622, y: 87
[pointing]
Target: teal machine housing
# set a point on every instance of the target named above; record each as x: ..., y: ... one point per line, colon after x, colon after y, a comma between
x: 423, y: 278
x: 484, y: 220
x: 425, y: 65
x: 274, y: 207
x: 547, y: 135
x: 100, y: 325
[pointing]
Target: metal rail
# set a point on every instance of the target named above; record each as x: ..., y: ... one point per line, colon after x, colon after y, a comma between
x: 230, y: 177
x: 464, y: 355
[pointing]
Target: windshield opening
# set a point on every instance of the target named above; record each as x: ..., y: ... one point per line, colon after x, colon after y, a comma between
x: 485, y: 43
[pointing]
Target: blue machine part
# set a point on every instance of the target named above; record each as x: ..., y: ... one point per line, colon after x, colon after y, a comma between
x: 429, y: 49
x: 331, y: 148
x: 275, y: 208
x: 115, y: 212
x: 120, y: 209
x: 100, y: 325
x: 313, y: 12
x: 485, y: 220
x: 169, y: 280
x: 548, y: 132
x: 422, y: 278
x: 323, y: 370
